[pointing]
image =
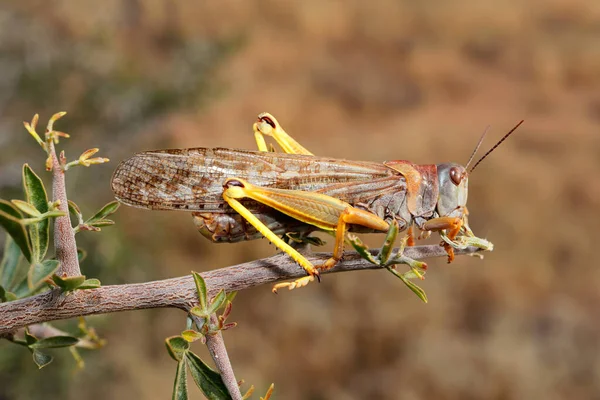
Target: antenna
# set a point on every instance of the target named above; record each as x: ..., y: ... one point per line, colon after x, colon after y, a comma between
x: 477, y: 147
x: 496, y: 145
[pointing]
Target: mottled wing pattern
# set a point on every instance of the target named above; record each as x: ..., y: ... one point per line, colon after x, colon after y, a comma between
x: 192, y: 179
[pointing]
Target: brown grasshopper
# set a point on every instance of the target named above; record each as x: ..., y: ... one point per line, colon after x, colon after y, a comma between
x: 243, y: 195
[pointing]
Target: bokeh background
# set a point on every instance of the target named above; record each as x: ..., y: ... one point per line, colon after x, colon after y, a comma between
x: 374, y: 80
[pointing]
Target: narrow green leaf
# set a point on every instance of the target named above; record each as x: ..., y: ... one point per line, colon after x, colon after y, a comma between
x: 69, y: 283
x: 26, y: 208
x: 209, y: 381
x: 102, y: 222
x: 39, y: 272
x: 388, y: 244
x: 414, y: 288
x: 41, y: 359
x: 54, y: 342
x: 74, y: 209
x: 362, y: 249
x: 301, y: 239
x: 201, y: 288
x: 180, y: 391
x: 230, y: 296
x: 217, y: 302
x: 91, y: 283
x: 6, y: 296
x: 29, y: 338
x: 10, y: 262
x: 202, y: 317
x: 104, y: 212
x: 77, y: 357
x: 191, y: 335
x: 10, y: 219
x: 177, y: 346
x: 35, y: 193
x: 81, y: 254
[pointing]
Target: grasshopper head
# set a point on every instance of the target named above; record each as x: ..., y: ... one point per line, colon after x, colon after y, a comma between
x: 453, y: 180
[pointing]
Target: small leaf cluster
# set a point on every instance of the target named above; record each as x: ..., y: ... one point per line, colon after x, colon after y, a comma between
x: 25, y: 268
x: 54, y: 339
x: 386, y: 260
x: 95, y: 222
x: 205, y: 309
x: 207, y: 322
x: 208, y: 380
x: 52, y: 137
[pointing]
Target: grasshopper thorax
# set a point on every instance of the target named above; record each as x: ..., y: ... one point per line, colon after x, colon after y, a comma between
x: 453, y: 189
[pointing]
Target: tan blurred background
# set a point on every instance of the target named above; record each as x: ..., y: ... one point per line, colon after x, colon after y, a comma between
x: 375, y: 80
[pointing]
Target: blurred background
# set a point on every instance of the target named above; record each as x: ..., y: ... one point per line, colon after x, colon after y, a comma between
x: 375, y: 80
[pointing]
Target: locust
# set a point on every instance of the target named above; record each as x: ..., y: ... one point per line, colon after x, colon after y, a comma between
x: 237, y: 195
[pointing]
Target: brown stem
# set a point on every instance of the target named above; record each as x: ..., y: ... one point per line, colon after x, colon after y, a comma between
x: 177, y: 292
x: 218, y: 352
x: 64, y: 236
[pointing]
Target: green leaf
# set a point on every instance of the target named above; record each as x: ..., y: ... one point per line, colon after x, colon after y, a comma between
x: 10, y: 262
x: 209, y: 381
x: 301, y: 239
x: 26, y: 208
x: 415, y: 289
x: 35, y: 193
x: 68, y: 283
x: 362, y: 249
x: 81, y: 254
x: 230, y: 296
x: 77, y: 357
x: 191, y: 335
x: 29, y: 338
x: 104, y: 212
x: 91, y: 283
x: 199, y: 312
x: 39, y: 272
x: 217, y: 302
x: 54, y: 342
x: 74, y: 209
x: 177, y: 346
x: 6, y: 296
x: 102, y: 222
x: 10, y: 219
x: 41, y: 359
x: 201, y: 289
x: 388, y: 244
x: 180, y: 391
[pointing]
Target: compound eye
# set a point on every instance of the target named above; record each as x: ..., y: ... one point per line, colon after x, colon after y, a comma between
x: 456, y: 175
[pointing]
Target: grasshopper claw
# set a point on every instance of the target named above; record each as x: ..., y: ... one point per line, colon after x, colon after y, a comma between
x: 298, y: 283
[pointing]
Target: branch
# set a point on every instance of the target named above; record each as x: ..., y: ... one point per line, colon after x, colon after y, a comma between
x: 178, y: 292
x: 218, y: 352
x: 64, y: 236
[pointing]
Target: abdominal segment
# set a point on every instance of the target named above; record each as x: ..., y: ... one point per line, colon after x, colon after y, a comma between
x: 231, y: 227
